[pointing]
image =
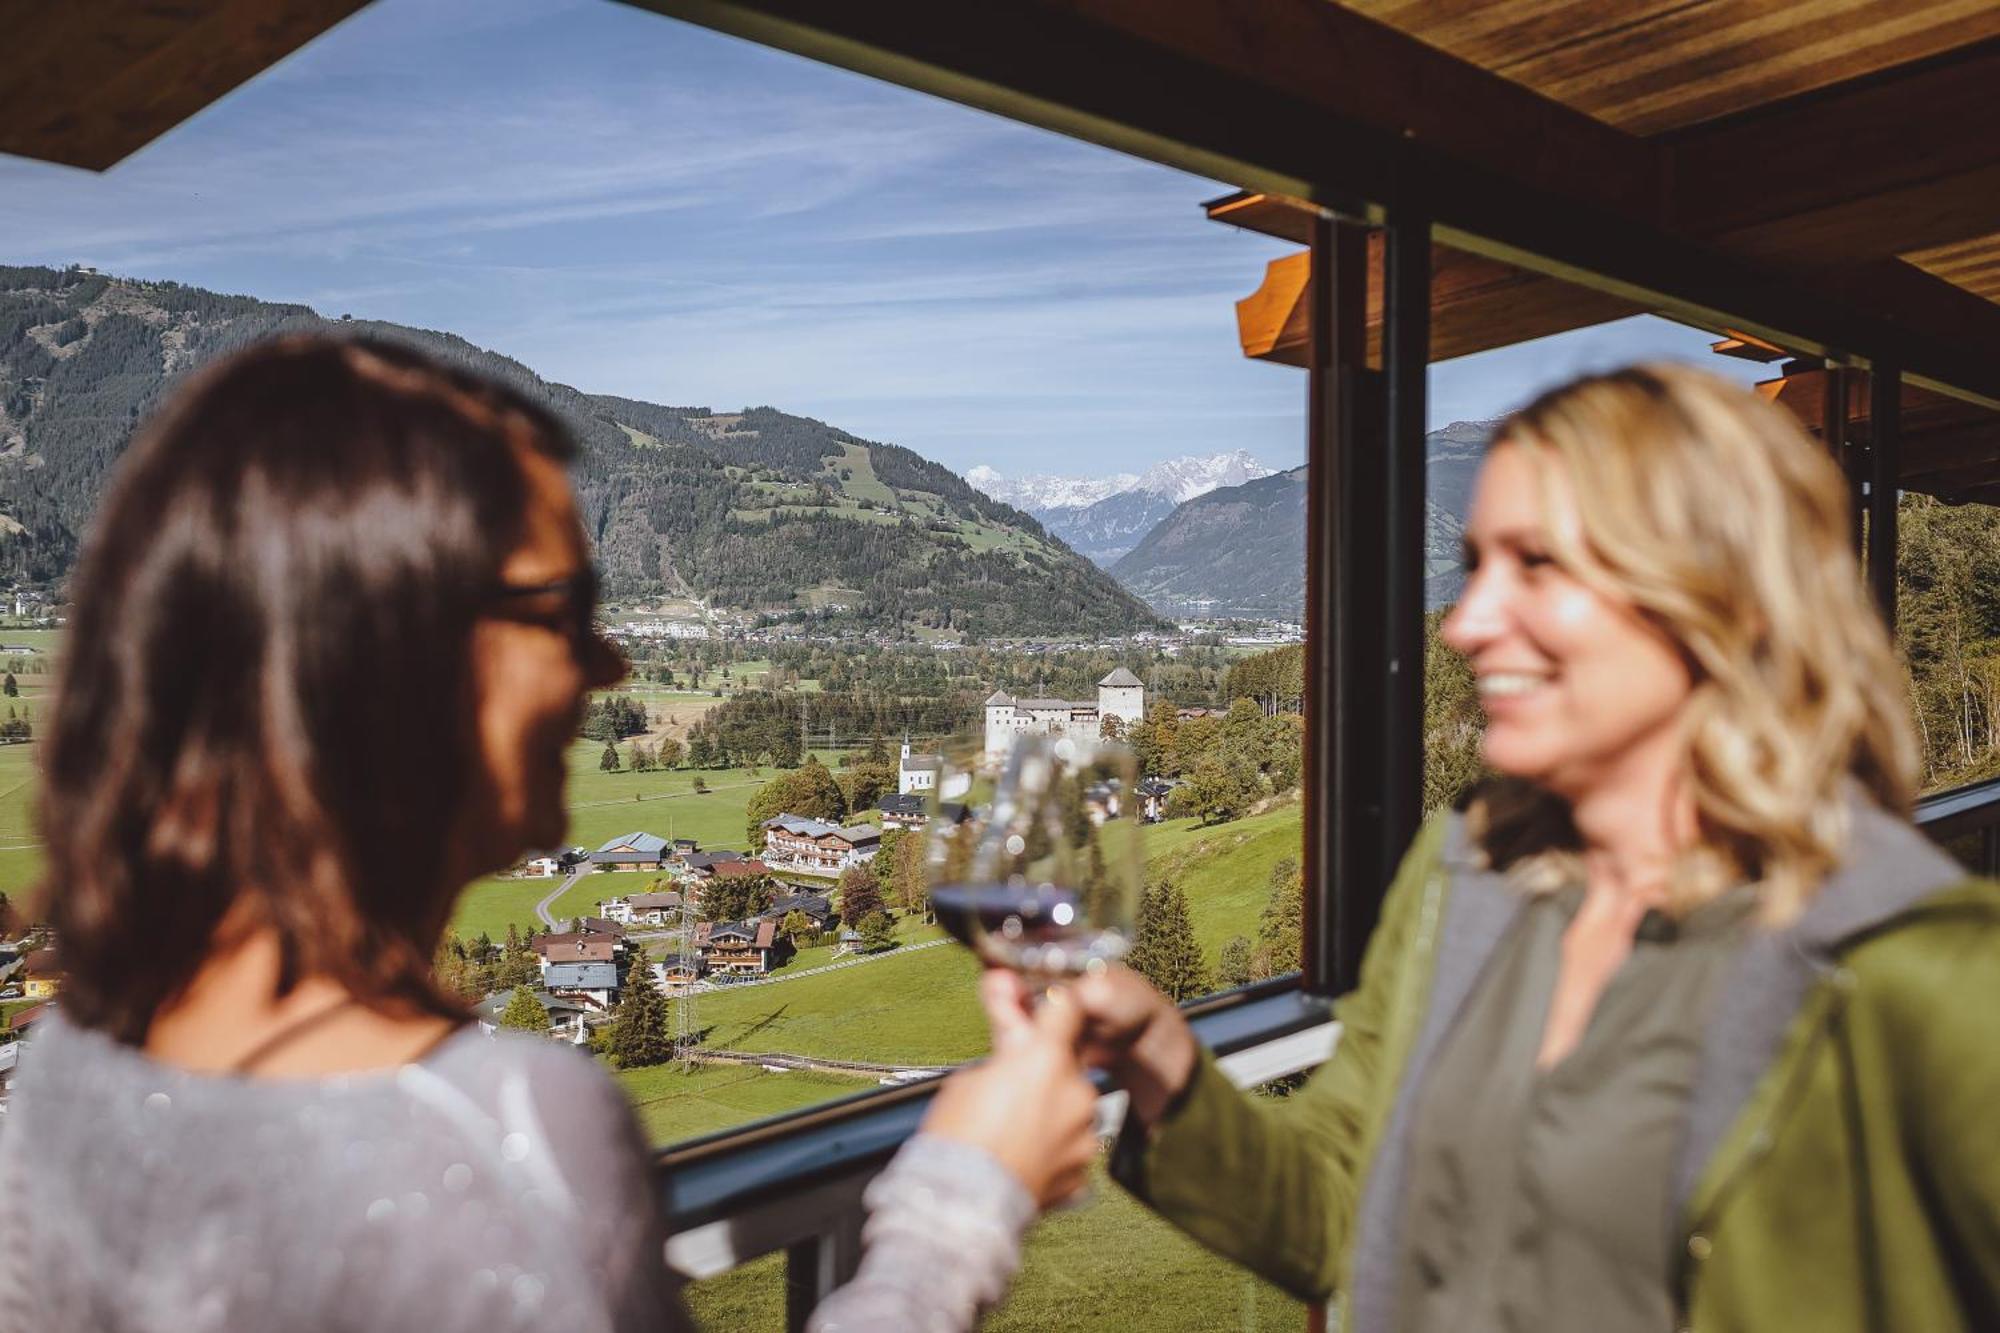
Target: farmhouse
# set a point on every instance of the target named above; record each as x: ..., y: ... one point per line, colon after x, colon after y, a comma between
x: 566, y: 1016
x: 792, y: 842
x: 903, y: 811
x: 811, y: 906
x: 594, y: 983
x: 642, y: 909
x: 1121, y: 695
x: 576, y: 947
x: 634, y: 851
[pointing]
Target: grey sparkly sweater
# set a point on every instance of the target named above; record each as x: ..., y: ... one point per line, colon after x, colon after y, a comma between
x: 498, y: 1184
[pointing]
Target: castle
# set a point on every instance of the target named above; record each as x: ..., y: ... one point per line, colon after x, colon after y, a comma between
x: 1120, y: 695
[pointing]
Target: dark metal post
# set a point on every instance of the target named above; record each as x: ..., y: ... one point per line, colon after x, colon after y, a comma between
x: 1833, y: 433
x: 1341, y: 619
x: 1885, y: 455
x: 1406, y: 342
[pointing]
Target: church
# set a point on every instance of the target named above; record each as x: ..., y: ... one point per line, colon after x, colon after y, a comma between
x: 1120, y: 695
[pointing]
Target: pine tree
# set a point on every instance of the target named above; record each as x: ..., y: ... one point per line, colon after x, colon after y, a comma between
x: 524, y: 1013
x: 1165, y: 951
x: 1281, y: 927
x: 609, y: 763
x: 1236, y: 965
x: 639, y: 1027
x: 10, y: 687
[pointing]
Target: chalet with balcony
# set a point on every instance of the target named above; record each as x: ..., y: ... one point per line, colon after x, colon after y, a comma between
x: 815, y: 847
x: 902, y: 811
x: 642, y: 909
x: 677, y: 971
x: 738, y: 948
x: 577, y: 946
x: 595, y: 984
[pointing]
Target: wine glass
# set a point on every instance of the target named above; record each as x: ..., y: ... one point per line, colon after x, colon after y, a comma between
x: 1043, y: 876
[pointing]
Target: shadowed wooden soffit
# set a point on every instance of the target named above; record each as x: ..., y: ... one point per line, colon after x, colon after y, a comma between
x: 88, y: 82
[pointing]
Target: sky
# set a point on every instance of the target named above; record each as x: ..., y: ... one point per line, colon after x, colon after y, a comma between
x: 632, y: 205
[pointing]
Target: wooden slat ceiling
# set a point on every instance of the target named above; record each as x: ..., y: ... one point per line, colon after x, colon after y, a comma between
x: 1973, y: 265
x: 1647, y: 66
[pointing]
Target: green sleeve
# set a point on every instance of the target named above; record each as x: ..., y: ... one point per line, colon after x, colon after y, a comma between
x: 1273, y: 1183
x: 1927, y: 997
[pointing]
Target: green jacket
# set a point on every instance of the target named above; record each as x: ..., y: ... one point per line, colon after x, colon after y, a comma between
x: 1842, y: 1164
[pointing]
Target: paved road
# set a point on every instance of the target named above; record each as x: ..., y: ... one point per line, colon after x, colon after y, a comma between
x: 542, y: 907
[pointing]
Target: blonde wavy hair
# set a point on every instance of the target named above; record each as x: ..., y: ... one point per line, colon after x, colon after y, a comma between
x: 1725, y: 524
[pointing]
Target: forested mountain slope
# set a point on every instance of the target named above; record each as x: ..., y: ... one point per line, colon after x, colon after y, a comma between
x: 758, y: 510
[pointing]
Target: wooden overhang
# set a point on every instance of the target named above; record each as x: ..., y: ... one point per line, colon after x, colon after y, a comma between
x: 1833, y: 164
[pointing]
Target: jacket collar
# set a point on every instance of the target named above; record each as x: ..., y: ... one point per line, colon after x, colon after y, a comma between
x: 1890, y: 868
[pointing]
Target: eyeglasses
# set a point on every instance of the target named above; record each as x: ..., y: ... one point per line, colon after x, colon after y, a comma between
x: 567, y: 605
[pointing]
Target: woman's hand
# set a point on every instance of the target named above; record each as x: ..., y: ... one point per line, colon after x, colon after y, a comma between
x: 1128, y: 1029
x: 1028, y: 1104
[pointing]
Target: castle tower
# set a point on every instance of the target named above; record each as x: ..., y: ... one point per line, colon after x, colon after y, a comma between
x: 1122, y: 695
x: 1002, y: 725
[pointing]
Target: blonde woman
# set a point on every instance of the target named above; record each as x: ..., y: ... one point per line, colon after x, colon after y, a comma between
x: 1680, y: 1022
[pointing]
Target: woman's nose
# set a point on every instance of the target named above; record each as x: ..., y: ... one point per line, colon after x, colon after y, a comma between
x: 1476, y: 619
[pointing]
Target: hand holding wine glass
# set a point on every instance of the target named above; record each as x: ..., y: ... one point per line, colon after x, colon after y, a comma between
x: 1043, y: 877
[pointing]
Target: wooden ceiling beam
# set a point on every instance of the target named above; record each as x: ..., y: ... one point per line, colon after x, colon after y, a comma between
x: 1899, y: 161
x: 86, y: 82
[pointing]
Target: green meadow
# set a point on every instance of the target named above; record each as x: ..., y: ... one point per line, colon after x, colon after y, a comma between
x: 1105, y: 1266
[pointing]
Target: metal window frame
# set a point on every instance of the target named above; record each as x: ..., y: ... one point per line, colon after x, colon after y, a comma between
x: 794, y: 1184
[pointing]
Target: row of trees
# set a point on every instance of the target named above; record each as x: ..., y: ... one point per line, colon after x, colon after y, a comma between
x: 641, y: 758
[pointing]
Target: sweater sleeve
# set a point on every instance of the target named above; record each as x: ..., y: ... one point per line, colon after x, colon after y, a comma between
x: 943, y: 1239
x: 1273, y: 1183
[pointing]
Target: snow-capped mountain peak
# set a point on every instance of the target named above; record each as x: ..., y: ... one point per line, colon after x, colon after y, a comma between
x: 1044, y: 491
x: 1176, y: 479
x: 1182, y: 479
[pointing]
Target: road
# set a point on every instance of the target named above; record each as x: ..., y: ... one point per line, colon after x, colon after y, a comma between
x: 542, y: 907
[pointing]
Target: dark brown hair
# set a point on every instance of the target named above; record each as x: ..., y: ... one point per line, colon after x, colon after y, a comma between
x: 266, y: 702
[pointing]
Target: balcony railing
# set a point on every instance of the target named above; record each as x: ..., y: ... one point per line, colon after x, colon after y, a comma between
x: 794, y: 1185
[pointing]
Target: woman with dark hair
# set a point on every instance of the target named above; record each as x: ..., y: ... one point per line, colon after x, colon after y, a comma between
x: 332, y: 636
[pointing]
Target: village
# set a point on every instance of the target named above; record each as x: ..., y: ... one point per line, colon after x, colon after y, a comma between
x: 675, y: 918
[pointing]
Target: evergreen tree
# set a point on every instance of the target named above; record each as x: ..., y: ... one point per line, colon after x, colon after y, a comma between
x: 1164, y: 950
x: 609, y: 762
x: 10, y: 687
x: 524, y: 1013
x: 670, y: 753
x: 1236, y: 967
x: 1281, y: 927
x: 639, y: 1035
x: 642, y: 758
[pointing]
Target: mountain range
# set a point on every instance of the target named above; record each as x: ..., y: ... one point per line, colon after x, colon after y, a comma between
x: 758, y: 510
x: 1104, y: 517
x: 1240, y: 550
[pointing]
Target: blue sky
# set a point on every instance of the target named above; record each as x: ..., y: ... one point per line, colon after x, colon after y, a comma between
x: 635, y: 206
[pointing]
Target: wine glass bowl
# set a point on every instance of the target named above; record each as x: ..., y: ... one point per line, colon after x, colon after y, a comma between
x: 1043, y: 876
